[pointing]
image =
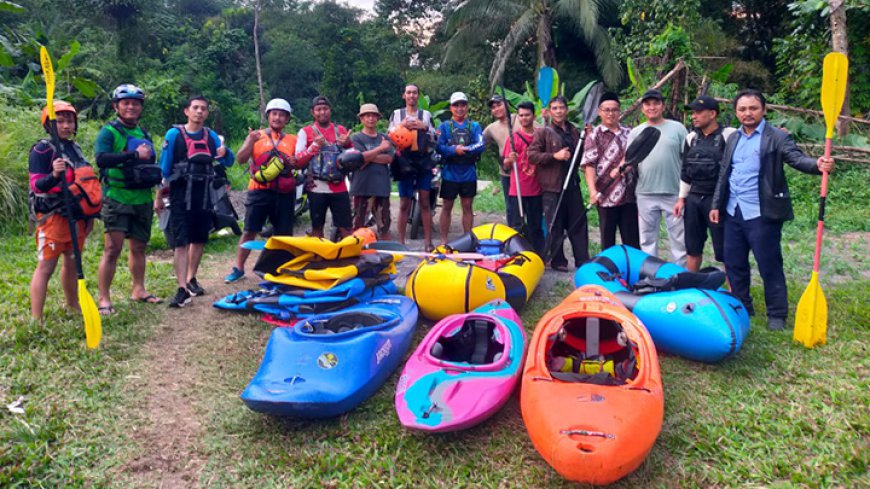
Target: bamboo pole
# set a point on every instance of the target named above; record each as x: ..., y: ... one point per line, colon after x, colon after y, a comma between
x: 681, y: 65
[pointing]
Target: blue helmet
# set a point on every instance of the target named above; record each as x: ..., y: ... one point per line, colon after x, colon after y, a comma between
x: 128, y: 90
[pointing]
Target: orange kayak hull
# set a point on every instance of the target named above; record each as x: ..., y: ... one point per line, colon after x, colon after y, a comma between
x: 592, y: 432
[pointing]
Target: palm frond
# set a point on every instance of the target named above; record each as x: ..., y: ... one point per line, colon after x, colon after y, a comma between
x: 582, y: 15
x: 520, y: 31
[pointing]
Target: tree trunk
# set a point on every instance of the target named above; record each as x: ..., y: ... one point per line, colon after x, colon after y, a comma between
x: 840, y: 44
x: 257, y: 60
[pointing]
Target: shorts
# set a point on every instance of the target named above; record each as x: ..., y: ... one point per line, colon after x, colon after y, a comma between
x: 423, y: 181
x: 133, y: 220
x: 266, y: 204
x: 379, y: 208
x: 53, y: 238
x: 696, y: 219
x: 337, y: 203
x: 449, y: 190
x: 189, y: 227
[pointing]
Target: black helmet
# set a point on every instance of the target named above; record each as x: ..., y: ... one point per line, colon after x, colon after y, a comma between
x: 350, y: 160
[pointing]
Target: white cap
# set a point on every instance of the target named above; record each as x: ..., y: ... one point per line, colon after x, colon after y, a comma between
x: 458, y: 97
x: 279, y: 104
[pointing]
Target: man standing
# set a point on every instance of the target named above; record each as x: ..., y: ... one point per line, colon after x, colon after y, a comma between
x: 701, y: 158
x: 419, y: 163
x: 318, y: 146
x: 187, y: 162
x: 753, y: 193
x: 495, y: 136
x: 530, y: 190
x: 370, y: 185
x: 460, y: 144
x: 658, y: 183
x: 604, y: 152
x: 551, y: 151
x: 125, y: 156
x: 272, y: 187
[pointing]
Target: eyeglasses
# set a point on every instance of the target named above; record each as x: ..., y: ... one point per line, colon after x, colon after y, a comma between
x: 610, y: 111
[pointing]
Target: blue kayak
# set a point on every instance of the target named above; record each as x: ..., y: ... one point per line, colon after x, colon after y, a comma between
x: 686, y: 313
x: 328, y: 364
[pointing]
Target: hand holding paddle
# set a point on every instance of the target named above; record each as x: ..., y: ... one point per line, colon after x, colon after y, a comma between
x: 811, y: 317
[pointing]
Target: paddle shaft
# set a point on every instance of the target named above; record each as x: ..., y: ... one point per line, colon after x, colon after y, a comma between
x: 507, y: 111
x: 820, y: 229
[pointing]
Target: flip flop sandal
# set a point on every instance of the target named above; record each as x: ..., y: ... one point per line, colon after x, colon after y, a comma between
x: 149, y: 299
x: 106, y: 310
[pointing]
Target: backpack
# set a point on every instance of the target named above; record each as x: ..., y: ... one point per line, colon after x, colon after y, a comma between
x: 324, y: 166
x: 197, y: 168
x: 135, y: 174
x: 85, y: 189
x: 424, y: 141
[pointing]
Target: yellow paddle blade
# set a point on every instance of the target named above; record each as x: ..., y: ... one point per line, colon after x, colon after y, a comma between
x: 91, y: 316
x: 48, y: 73
x: 811, y: 317
x: 835, y: 75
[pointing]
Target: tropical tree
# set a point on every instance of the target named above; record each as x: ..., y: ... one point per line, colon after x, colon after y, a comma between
x: 517, y: 22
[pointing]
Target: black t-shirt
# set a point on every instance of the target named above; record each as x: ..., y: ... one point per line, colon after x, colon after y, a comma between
x: 374, y: 179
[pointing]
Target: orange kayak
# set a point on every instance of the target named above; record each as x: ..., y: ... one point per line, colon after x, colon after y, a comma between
x: 591, y: 394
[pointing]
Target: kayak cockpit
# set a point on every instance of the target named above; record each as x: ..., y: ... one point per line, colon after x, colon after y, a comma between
x: 478, y: 341
x: 592, y: 350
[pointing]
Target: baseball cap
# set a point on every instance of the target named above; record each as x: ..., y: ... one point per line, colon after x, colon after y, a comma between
x: 496, y: 99
x: 368, y: 109
x: 652, y: 93
x: 320, y: 100
x: 458, y: 97
x: 704, y: 102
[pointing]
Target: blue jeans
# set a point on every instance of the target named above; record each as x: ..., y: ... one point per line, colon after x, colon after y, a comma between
x: 510, y: 205
x: 762, y: 237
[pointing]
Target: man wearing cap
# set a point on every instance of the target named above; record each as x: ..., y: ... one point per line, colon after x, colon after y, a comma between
x: 370, y: 185
x: 658, y: 181
x: 551, y: 151
x: 495, y: 136
x: 702, y: 154
x: 603, y: 152
x: 752, y: 199
x: 460, y: 144
x: 318, y: 146
x: 272, y: 186
x: 419, y: 163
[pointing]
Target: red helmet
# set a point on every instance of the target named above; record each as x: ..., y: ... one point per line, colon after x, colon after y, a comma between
x: 59, y: 106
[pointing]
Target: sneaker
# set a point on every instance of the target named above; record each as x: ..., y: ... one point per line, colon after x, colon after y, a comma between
x: 181, y: 299
x: 235, y: 275
x: 194, y: 288
x: 776, y: 324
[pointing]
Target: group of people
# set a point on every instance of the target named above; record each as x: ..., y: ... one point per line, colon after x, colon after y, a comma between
x: 727, y: 181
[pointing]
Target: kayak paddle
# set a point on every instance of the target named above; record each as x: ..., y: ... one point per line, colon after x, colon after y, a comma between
x: 90, y: 313
x: 547, y: 84
x: 811, y: 317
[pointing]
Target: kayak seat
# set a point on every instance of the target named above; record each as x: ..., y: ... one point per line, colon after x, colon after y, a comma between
x: 611, y: 361
x: 474, y: 343
x: 341, y: 323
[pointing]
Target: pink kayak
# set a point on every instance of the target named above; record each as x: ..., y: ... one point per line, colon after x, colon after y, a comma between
x: 464, y: 370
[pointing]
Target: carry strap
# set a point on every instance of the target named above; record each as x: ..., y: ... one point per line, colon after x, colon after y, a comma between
x: 593, y: 337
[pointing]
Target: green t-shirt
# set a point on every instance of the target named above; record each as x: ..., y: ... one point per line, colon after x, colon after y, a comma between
x: 109, y: 140
x: 659, y: 173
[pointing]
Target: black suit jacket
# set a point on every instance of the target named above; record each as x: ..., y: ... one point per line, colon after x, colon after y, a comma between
x: 777, y: 147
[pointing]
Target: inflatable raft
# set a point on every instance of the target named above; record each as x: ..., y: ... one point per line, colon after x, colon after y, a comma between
x: 463, y: 371
x: 591, y: 395
x: 328, y: 364
x: 683, y: 312
x: 442, y: 286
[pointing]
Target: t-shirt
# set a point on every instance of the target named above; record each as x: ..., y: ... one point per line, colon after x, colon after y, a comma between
x: 108, y: 143
x: 374, y: 179
x: 529, y: 185
x: 659, y: 172
x: 496, y: 134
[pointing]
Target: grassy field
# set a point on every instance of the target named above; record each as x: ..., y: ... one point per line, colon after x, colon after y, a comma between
x: 775, y: 415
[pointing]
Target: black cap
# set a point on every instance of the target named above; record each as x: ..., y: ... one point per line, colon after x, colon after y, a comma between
x: 652, y: 93
x: 496, y: 99
x: 608, y: 96
x: 704, y: 102
x: 320, y: 100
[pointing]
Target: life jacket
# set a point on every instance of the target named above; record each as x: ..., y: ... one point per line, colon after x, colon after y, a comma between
x: 134, y: 174
x: 461, y: 136
x: 264, y: 150
x: 196, y: 169
x: 84, y: 186
x: 703, y: 160
x: 323, y: 165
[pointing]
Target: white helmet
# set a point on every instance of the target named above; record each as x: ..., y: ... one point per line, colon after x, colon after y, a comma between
x: 279, y: 104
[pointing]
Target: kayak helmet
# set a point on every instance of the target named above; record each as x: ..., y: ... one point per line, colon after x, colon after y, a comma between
x: 59, y: 106
x: 279, y: 104
x: 402, y: 137
x: 350, y: 160
x: 128, y: 90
